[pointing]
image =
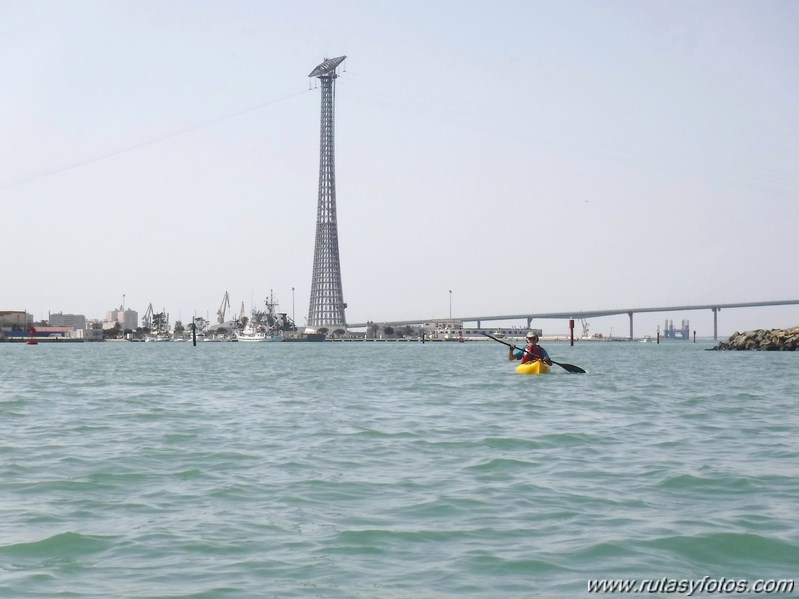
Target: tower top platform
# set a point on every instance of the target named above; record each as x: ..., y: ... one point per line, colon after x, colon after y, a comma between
x: 327, y: 67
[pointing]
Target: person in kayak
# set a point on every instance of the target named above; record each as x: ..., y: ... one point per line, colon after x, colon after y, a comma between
x: 531, y: 353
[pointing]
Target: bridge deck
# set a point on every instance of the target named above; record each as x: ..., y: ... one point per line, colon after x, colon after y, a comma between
x: 528, y: 316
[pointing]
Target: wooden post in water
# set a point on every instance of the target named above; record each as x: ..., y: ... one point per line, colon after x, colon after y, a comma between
x: 193, y: 332
x: 571, y: 332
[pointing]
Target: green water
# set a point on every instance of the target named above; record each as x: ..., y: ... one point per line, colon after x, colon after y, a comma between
x: 390, y: 469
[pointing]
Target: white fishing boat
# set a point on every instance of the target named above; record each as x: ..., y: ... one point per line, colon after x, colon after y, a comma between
x: 258, y: 334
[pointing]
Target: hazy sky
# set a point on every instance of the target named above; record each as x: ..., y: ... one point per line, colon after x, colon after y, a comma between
x: 529, y: 156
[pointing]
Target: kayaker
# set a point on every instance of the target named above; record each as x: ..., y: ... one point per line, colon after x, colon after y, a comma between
x: 531, y: 353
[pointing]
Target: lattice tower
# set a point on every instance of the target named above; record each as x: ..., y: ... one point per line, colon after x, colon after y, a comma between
x: 327, y: 298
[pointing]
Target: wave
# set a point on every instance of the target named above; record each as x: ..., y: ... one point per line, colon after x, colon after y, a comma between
x: 66, y: 544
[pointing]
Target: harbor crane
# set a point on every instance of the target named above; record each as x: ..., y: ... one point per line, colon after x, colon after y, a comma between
x: 155, y: 322
x: 147, y: 319
x: 220, y: 314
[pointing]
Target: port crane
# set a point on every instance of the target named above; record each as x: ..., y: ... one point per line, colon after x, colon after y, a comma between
x: 147, y: 319
x: 220, y: 314
x: 155, y: 322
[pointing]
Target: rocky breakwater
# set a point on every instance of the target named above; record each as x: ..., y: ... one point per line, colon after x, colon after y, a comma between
x: 763, y: 340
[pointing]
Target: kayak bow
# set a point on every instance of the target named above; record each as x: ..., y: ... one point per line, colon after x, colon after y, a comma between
x: 536, y: 367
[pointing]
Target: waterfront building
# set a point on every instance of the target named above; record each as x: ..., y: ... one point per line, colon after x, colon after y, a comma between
x: 15, y: 318
x: 128, y: 319
x: 50, y: 331
x: 59, y: 319
x: 93, y: 331
x: 445, y: 328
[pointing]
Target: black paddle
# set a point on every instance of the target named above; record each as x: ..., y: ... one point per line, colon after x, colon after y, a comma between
x: 567, y: 367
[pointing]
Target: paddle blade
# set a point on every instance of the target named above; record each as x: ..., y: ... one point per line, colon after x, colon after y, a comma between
x: 570, y: 367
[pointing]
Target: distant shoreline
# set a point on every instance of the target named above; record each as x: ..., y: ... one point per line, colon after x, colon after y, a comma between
x: 515, y: 340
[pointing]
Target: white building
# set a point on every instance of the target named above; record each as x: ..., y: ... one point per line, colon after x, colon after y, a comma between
x: 444, y: 328
x: 59, y: 319
x: 129, y: 319
x: 93, y: 331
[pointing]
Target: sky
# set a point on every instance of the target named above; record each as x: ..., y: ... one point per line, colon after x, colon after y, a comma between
x: 501, y: 158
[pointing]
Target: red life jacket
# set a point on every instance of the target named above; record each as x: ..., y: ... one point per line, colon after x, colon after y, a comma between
x: 531, y: 354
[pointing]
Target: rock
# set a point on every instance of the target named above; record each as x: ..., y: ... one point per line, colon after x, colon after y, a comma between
x: 762, y: 340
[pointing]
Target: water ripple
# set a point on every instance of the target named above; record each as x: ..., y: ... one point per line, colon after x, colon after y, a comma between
x: 391, y: 470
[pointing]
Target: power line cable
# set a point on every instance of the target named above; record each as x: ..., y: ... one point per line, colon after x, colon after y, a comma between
x: 160, y: 138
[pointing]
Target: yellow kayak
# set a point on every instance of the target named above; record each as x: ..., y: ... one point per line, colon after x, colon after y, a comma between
x: 537, y: 367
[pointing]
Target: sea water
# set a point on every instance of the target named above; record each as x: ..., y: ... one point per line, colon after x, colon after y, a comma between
x: 232, y: 470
